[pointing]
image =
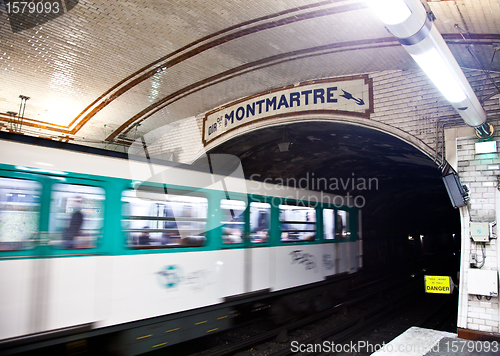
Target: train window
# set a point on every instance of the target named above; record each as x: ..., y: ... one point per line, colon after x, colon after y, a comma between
x: 298, y: 223
x: 329, y: 224
x: 260, y: 221
x: 233, y: 221
x: 158, y: 220
x: 19, y: 213
x: 76, y: 215
x: 342, y: 224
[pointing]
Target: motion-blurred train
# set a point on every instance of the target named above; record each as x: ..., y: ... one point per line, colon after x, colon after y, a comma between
x: 150, y: 254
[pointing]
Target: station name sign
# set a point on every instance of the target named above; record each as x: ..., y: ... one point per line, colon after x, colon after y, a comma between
x: 348, y: 96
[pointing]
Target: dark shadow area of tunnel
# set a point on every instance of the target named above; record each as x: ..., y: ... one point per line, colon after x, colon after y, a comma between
x: 406, y: 211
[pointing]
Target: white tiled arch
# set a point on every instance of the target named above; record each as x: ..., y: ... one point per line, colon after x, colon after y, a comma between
x: 351, y: 120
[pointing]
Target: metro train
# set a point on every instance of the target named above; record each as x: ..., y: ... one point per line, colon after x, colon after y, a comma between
x: 151, y: 254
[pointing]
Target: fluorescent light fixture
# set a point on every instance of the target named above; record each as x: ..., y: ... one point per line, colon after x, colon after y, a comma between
x: 391, y: 12
x: 486, y: 147
x: 441, y: 75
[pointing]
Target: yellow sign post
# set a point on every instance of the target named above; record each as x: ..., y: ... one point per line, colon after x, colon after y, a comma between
x: 438, y: 284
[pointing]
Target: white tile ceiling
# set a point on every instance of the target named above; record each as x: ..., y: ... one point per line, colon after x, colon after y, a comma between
x: 86, y: 71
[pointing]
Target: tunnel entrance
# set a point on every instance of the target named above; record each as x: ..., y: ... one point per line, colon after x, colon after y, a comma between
x: 406, y: 210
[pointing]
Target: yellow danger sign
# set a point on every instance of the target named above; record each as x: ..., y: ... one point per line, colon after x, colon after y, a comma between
x: 438, y: 284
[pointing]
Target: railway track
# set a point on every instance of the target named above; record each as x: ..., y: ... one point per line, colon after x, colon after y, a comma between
x: 364, y: 307
x: 375, y: 312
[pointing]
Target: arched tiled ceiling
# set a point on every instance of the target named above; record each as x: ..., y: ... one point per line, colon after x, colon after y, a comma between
x: 105, y: 66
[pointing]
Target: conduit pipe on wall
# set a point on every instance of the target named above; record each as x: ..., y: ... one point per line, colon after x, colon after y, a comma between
x: 413, y: 27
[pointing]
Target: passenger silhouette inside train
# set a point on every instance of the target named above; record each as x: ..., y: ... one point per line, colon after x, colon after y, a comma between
x: 262, y: 230
x: 341, y: 226
x: 75, y: 225
x: 310, y: 236
x: 171, y: 236
x: 232, y: 231
x: 144, y: 239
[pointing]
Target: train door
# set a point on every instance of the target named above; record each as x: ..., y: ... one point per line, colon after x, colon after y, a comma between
x: 232, y: 227
x: 257, y: 247
x: 21, y: 220
x: 245, y: 246
x: 299, y: 252
x: 50, y: 234
x: 76, y: 271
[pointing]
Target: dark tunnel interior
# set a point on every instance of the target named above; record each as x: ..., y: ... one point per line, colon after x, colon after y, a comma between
x: 400, y: 188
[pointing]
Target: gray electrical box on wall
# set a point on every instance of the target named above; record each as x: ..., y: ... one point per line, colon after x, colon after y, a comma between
x: 480, y: 231
x: 455, y: 190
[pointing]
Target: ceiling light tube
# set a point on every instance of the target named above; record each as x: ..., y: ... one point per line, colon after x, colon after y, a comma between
x: 440, y: 74
x: 391, y: 12
x: 424, y: 43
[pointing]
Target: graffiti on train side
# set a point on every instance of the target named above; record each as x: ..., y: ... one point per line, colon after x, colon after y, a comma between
x: 328, y: 262
x: 173, y: 276
x: 303, y: 258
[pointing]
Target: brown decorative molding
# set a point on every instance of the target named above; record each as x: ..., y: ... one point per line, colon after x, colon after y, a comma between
x: 151, y: 69
x: 148, y: 71
x: 270, y: 61
x: 198, y: 41
x: 477, y: 335
x: 36, y: 124
x: 249, y: 67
